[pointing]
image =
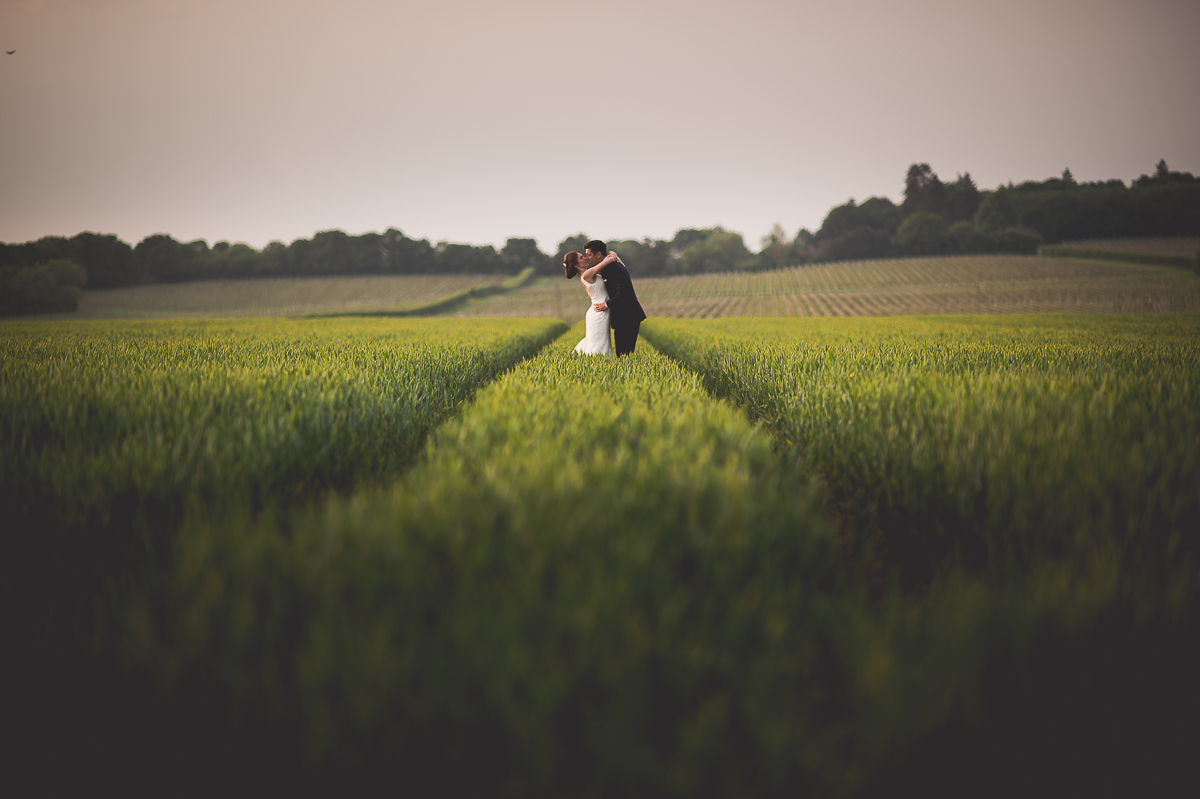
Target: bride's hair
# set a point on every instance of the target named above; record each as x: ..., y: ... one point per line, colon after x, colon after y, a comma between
x: 570, y: 264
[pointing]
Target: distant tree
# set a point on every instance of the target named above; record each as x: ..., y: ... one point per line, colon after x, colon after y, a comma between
x: 857, y: 244
x: 1034, y: 186
x: 241, y: 261
x: 923, y: 191
x: 520, y: 253
x: 876, y: 213
x: 880, y: 213
x: 1009, y: 218
x: 468, y: 259
x: 329, y: 253
x: 32, y: 253
x: 686, y: 237
x: 162, y: 259
x: 996, y: 212
x: 1163, y: 176
x: 962, y: 199
x: 405, y: 256
x: 49, y: 248
x: 958, y: 237
x: 369, y: 255
x: 719, y: 251
x: 1017, y: 240
x: 223, y: 260
x: 646, y: 257
x: 52, y: 287
x: 923, y: 233
x: 334, y: 252
x: 840, y: 220
x: 732, y: 246
x: 1164, y: 209
x: 776, y: 248
x: 65, y: 272
x: 30, y: 290
x: 298, y: 257
x: 804, y: 247
x: 576, y: 243
x: 107, y: 260
x: 275, y: 260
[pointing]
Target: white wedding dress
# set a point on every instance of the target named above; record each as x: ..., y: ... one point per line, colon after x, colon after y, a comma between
x: 595, y: 341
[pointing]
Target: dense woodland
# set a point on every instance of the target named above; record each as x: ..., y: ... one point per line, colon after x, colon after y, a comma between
x: 935, y: 217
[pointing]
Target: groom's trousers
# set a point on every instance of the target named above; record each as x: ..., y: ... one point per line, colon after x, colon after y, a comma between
x: 625, y: 337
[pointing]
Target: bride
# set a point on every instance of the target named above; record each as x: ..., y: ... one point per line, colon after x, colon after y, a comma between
x: 595, y: 341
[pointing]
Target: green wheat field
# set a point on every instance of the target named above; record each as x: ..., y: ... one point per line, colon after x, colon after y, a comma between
x: 847, y: 530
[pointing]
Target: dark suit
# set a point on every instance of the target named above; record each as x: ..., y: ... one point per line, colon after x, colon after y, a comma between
x: 625, y: 312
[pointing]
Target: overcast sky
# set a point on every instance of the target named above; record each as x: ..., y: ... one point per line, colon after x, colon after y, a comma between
x: 475, y: 121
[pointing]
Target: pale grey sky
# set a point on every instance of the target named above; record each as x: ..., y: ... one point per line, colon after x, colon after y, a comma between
x: 473, y: 121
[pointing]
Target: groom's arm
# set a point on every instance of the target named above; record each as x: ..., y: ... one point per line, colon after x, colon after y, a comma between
x: 615, y: 287
x: 589, y: 273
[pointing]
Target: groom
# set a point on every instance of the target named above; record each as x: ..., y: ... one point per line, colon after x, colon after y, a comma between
x: 627, y: 314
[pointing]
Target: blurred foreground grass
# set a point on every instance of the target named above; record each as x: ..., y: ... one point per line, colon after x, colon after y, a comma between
x: 989, y: 443
x: 113, y: 433
x: 599, y: 580
x: 571, y: 593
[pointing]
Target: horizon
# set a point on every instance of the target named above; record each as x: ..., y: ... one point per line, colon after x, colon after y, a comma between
x: 270, y: 121
x: 499, y: 246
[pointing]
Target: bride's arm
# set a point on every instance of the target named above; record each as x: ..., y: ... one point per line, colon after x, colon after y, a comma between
x: 593, y: 271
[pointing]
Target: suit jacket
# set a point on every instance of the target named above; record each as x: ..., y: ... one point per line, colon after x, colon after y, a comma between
x: 623, y: 303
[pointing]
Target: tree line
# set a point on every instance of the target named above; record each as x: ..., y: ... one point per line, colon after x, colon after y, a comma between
x: 935, y: 217
x: 943, y: 218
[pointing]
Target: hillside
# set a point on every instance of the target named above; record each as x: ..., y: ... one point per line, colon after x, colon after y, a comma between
x: 952, y: 284
x: 283, y: 296
x: 959, y: 285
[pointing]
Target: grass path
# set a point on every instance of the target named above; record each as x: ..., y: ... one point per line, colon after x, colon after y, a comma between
x: 591, y: 551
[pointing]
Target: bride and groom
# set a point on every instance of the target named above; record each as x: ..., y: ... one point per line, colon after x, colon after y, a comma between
x: 614, y: 303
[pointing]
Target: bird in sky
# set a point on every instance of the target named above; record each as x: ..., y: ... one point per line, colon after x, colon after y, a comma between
x: 10, y: 52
